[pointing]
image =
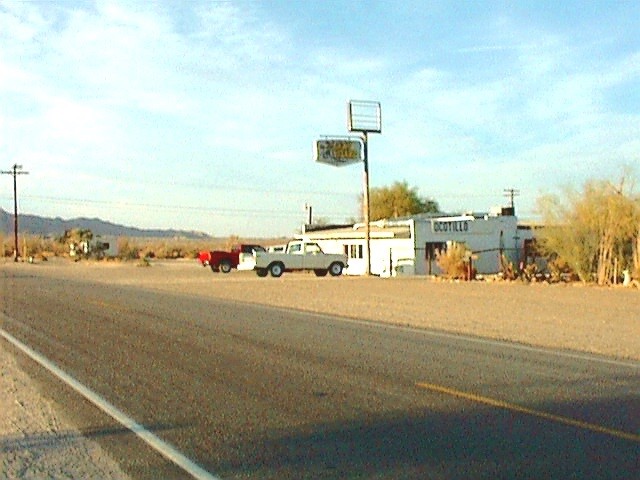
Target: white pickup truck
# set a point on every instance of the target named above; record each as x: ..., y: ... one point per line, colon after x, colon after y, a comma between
x: 299, y: 255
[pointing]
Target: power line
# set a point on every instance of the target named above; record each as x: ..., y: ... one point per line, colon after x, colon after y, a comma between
x: 225, y: 211
x: 226, y: 187
x: 181, y: 208
x: 15, y: 171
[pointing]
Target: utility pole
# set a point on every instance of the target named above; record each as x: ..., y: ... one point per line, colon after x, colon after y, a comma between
x: 512, y: 193
x: 309, y: 209
x: 15, y: 171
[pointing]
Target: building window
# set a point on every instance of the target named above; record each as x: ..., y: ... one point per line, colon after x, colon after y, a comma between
x: 354, y: 251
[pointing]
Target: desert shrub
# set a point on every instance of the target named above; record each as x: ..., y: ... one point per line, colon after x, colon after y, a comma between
x: 507, y: 270
x: 127, y: 250
x: 48, y: 246
x: 171, y: 249
x: 529, y: 273
x: 143, y: 262
x: 231, y: 241
x: 31, y: 246
x: 5, y: 246
x: 454, y: 260
x: 560, y: 271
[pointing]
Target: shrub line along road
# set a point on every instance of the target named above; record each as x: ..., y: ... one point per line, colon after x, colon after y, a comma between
x: 248, y: 391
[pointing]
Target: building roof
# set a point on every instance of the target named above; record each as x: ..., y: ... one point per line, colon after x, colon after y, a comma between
x: 357, y: 231
x: 393, y: 228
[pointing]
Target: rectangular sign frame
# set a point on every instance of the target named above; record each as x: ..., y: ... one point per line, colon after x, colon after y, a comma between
x: 338, y: 151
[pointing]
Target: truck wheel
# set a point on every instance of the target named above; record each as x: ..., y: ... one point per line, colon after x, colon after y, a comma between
x: 214, y: 268
x: 321, y: 272
x: 276, y: 269
x: 335, y: 269
x: 261, y: 272
x: 225, y: 266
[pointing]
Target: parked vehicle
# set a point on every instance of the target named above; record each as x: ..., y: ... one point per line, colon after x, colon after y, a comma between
x: 299, y: 255
x: 240, y: 257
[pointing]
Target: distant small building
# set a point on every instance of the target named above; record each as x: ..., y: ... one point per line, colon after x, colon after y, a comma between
x: 408, y: 246
x: 100, y: 247
x: 105, y: 246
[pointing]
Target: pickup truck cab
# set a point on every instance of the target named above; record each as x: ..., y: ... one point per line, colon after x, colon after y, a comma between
x: 240, y: 257
x: 299, y: 255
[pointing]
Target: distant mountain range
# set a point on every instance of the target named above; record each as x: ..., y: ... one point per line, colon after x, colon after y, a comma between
x: 44, y: 226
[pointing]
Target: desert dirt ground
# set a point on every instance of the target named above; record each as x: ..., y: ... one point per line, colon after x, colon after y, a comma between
x: 36, y: 440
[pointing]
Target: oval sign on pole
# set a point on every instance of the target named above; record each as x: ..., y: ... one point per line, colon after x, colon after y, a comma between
x: 338, y: 152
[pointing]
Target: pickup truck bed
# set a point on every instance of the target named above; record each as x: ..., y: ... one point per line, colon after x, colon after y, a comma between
x: 223, y: 261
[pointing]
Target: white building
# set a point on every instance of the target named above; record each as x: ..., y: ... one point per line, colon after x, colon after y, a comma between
x: 408, y: 246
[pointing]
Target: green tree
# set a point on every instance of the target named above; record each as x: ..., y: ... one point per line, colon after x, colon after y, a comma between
x: 398, y: 200
x: 595, y: 230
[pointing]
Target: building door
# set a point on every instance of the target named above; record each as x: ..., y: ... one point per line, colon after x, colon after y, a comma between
x: 355, y: 259
x: 430, y: 249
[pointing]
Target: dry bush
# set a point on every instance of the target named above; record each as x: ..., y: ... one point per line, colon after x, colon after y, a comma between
x: 6, y: 248
x: 128, y: 248
x: 31, y: 246
x: 158, y: 248
x: 175, y: 248
x: 507, y: 270
x: 41, y: 247
x: 454, y: 261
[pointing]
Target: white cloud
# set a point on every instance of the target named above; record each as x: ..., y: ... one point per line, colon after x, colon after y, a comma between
x: 120, y: 92
x: 65, y: 120
x: 21, y: 22
x: 237, y: 38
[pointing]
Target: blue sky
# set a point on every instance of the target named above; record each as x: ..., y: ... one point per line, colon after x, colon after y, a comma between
x: 201, y: 115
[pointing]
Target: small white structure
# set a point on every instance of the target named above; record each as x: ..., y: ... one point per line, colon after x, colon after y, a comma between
x: 408, y: 246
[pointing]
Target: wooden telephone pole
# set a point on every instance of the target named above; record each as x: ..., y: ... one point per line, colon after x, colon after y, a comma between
x: 512, y: 193
x: 15, y: 171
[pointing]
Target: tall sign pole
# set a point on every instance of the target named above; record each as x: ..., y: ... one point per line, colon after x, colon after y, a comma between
x: 366, y: 204
x: 15, y: 171
x: 365, y: 117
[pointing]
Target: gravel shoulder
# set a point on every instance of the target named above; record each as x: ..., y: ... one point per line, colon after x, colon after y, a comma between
x: 36, y: 441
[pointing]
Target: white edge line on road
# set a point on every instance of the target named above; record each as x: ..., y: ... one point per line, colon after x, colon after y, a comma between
x: 164, y: 448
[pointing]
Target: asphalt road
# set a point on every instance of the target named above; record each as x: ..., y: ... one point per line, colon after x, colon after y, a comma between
x: 257, y: 392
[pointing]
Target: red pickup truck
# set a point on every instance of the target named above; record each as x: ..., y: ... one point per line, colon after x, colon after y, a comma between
x: 221, y: 261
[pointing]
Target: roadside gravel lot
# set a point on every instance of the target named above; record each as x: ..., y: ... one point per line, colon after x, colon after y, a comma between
x: 37, y: 442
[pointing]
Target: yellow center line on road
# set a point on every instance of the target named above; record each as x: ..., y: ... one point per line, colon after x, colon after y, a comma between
x: 529, y: 411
